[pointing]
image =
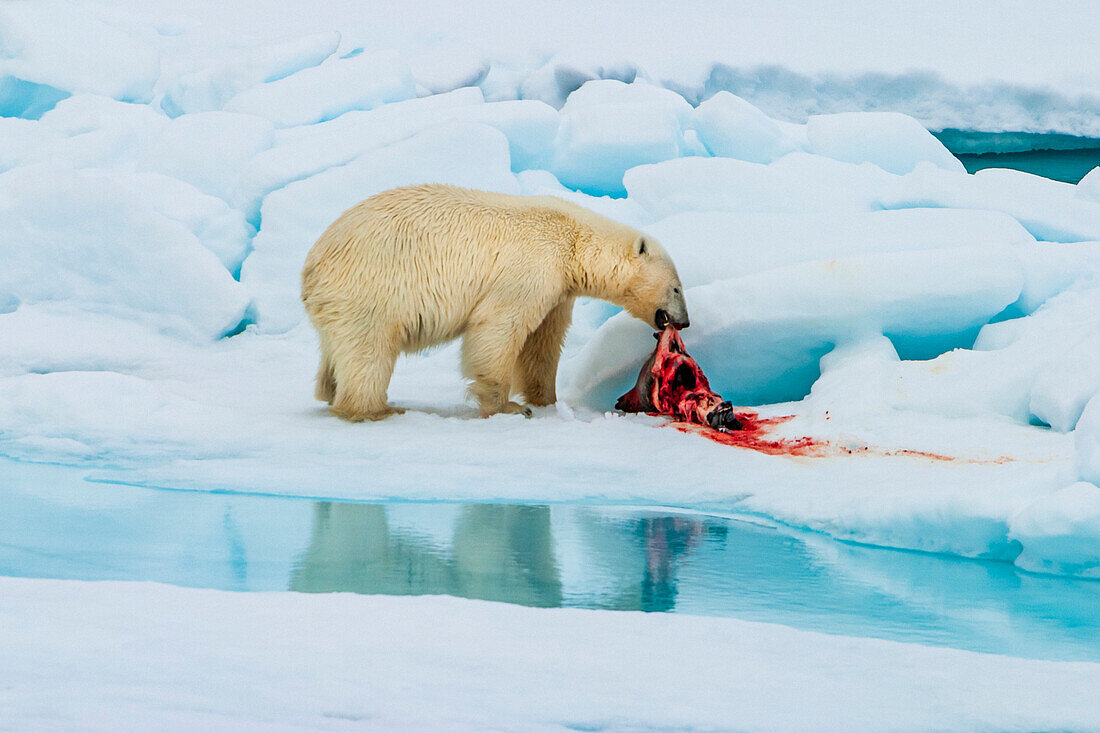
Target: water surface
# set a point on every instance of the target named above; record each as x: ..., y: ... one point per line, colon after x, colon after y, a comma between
x: 1064, y: 158
x: 55, y: 525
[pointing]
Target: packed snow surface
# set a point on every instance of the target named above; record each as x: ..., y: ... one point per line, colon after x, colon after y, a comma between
x: 184, y: 659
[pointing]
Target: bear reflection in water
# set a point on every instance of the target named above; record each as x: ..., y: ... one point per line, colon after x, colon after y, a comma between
x: 665, y: 540
x: 497, y: 553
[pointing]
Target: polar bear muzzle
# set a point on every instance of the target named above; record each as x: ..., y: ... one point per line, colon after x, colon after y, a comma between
x: 674, y: 313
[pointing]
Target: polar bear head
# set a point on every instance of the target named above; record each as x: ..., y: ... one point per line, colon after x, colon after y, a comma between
x: 653, y: 291
x: 632, y: 270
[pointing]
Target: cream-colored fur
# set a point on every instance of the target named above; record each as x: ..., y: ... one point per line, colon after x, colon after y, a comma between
x: 417, y: 266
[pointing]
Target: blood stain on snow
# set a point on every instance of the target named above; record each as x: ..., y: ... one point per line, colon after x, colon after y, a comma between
x: 755, y: 435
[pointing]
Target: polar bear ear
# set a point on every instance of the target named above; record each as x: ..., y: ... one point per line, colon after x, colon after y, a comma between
x: 640, y: 247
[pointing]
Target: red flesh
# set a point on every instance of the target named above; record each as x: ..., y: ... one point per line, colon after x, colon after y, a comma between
x: 671, y: 383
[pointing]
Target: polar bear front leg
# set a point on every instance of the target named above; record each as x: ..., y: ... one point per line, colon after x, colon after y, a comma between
x: 537, y: 371
x: 362, y: 364
x: 490, y: 350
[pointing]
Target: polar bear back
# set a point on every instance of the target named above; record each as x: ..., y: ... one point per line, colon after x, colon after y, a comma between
x: 428, y: 256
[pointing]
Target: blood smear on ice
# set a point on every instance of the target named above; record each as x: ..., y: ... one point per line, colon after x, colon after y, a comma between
x: 754, y: 436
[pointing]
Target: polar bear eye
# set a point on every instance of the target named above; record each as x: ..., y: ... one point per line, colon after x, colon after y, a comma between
x: 641, y: 246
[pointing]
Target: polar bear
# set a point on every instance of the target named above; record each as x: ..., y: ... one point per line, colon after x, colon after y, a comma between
x: 417, y: 266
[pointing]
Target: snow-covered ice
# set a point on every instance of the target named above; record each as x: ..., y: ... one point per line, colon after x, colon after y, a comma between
x: 1061, y: 534
x: 608, y: 127
x: 1087, y: 438
x: 796, y: 183
x: 63, y: 46
x: 164, y: 170
x: 231, y: 140
x: 730, y: 127
x: 95, y: 239
x: 1048, y: 209
x: 208, y: 81
x: 185, y: 658
x: 892, y: 141
x: 716, y: 245
x: 325, y: 91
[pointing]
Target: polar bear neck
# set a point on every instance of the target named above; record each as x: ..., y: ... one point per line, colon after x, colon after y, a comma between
x: 597, y: 268
x: 596, y: 251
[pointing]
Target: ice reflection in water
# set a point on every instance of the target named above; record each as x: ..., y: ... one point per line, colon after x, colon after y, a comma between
x: 54, y: 525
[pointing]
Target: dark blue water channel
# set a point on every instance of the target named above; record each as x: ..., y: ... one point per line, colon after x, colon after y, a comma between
x: 1065, y: 158
x: 53, y: 524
